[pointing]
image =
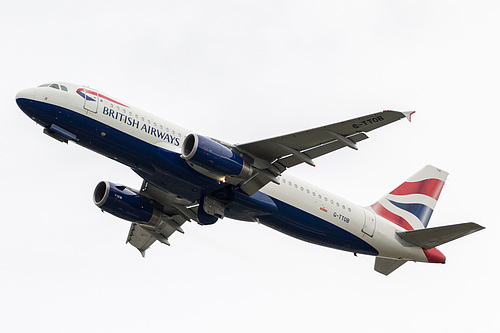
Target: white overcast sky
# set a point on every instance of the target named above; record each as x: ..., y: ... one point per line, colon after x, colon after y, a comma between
x: 242, y: 71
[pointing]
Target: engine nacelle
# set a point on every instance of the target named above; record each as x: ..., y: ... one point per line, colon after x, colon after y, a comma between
x: 214, y: 157
x: 123, y: 203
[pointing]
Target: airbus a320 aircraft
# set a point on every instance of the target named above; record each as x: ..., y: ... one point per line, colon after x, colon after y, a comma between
x: 187, y: 176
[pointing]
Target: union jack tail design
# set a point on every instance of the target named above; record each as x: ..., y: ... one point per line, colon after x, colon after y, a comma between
x: 411, y: 204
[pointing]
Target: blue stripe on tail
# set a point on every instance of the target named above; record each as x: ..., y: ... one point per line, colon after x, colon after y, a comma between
x: 421, y: 211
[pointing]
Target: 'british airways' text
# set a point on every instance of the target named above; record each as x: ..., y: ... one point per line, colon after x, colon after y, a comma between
x: 122, y: 117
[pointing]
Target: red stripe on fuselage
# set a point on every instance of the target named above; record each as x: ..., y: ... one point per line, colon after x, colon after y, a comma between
x: 429, y: 187
x: 386, y: 214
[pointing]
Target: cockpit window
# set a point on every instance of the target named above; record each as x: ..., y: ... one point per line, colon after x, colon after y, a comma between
x: 54, y: 85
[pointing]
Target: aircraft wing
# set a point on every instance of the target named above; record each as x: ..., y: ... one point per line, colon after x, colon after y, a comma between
x: 175, y: 213
x: 270, y: 157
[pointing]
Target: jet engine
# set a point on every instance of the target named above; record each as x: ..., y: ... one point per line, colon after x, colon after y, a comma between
x: 213, y: 157
x: 120, y: 201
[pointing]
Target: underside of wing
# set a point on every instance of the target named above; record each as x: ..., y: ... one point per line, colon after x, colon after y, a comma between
x: 271, y: 157
x: 140, y: 238
x: 166, y: 222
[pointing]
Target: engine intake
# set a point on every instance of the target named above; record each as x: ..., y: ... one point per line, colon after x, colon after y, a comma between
x: 121, y: 202
x: 214, y: 157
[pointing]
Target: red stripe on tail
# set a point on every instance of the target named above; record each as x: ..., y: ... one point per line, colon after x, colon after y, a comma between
x: 383, y: 212
x: 429, y: 187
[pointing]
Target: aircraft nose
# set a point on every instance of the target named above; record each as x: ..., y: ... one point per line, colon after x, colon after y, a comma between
x: 24, y: 100
x: 26, y: 94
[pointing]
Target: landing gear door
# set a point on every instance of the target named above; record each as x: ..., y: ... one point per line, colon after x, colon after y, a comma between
x: 370, y: 222
x: 91, y: 100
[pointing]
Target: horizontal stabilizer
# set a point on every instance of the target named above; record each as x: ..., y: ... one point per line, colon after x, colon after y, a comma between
x: 431, y: 237
x: 386, y: 266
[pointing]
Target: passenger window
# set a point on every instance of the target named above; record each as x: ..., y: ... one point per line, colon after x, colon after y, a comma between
x: 54, y: 85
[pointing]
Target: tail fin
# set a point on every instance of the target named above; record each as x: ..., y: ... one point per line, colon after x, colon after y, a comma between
x: 411, y: 204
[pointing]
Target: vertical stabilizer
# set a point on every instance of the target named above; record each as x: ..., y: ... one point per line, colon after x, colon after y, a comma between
x: 412, y: 203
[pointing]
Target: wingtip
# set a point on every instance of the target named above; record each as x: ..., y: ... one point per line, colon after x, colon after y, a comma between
x: 408, y: 115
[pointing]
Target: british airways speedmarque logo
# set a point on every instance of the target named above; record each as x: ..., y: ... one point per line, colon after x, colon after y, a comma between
x: 91, y: 95
x: 81, y: 92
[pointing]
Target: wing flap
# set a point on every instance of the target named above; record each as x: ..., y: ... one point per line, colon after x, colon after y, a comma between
x: 140, y: 238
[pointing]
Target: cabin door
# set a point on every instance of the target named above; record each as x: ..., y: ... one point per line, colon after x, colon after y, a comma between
x: 91, y: 100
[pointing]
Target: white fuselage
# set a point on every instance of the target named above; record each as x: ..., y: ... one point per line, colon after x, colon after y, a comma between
x: 293, y: 194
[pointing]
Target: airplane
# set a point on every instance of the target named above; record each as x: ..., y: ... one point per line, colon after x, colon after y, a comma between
x: 190, y: 177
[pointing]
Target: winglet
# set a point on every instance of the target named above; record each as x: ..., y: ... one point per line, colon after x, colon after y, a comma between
x: 408, y: 115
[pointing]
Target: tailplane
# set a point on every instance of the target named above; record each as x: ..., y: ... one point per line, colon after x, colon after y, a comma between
x: 432, y: 237
x: 427, y: 239
x: 410, y: 206
x: 386, y: 265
